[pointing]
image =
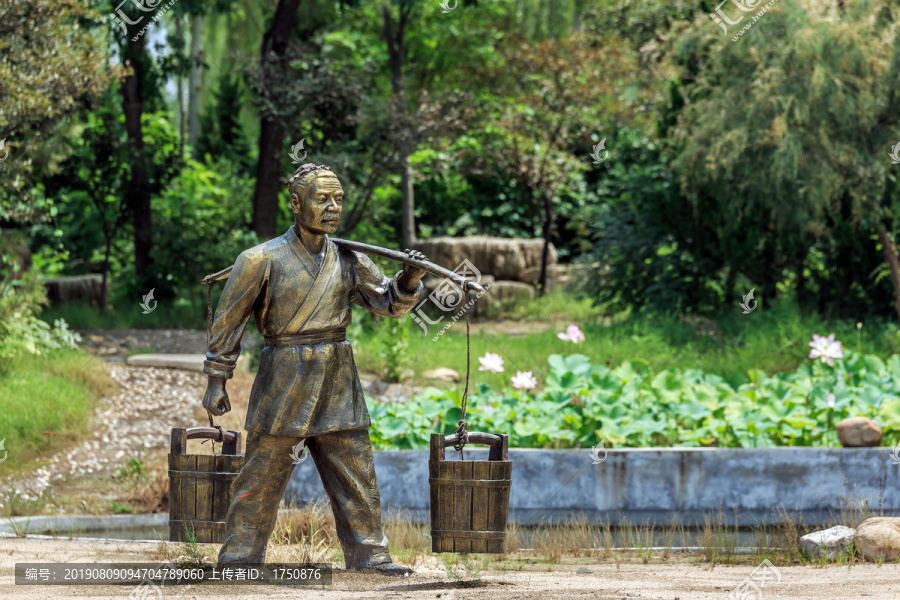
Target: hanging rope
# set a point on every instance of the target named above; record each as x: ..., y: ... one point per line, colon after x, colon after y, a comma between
x: 221, y: 437
x: 463, y: 431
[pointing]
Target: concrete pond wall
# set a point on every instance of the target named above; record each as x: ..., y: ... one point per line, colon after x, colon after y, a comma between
x: 746, y: 487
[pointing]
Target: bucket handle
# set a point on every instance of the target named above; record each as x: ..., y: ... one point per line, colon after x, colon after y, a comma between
x: 498, y: 444
x: 231, y: 440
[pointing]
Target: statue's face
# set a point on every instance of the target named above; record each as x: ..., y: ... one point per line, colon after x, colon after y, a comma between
x: 320, y: 212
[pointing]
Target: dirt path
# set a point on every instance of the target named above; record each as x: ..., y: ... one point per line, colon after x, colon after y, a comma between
x: 682, y: 580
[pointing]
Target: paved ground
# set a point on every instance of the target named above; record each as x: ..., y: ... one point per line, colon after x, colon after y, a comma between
x: 682, y: 580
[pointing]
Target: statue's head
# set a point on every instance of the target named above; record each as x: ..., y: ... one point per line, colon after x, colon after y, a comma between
x: 316, y: 198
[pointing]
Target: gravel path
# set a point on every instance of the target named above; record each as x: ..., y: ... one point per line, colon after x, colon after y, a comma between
x: 136, y: 419
x: 122, y: 342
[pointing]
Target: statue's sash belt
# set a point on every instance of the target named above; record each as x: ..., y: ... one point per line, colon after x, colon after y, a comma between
x: 308, y: 339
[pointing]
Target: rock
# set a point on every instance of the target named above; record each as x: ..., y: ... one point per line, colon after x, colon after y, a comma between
x: 188, y: 362
x: 558, y: 276
x: 86, y: 288
x: 509, y: 292
x: 442, y: 374
x: 504, y: 258
x: 878, y: 539
x: 828, y: 543
x: 858, y: 432
x: 583, y: 571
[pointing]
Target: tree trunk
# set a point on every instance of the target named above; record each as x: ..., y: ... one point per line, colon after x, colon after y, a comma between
x: 194, y: 81
x: 138, y: 192
x: 548, y: 232
x: 271, y: 134
x: 395, y: 37
x: 408, y: 227
x: 890, y: 254
x: 106, y: 254
x: 179, y: 79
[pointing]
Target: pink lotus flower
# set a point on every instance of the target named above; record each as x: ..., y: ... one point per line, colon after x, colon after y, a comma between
x: 572, y: 334
x: 524, y: 380
x: 826, y: 349
x: 491, y: 362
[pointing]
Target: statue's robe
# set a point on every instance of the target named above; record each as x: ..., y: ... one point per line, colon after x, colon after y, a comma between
x: 307, y: 383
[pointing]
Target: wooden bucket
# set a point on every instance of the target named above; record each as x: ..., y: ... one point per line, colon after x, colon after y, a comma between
x: 200, y: 485
x: 469, y: 498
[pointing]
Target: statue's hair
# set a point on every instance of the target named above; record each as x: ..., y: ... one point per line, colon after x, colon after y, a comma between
x: 303, y: 177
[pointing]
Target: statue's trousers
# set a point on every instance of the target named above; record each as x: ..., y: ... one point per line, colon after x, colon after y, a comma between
x: 345, y: 464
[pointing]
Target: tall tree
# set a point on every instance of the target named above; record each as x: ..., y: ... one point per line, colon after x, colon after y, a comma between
x: 783, y: 148
x: 271, y: 135
x: 195, y: 80
x: 394, y: 31
x: 551, y: 94
x: 50, y: 70
x: 134, y: 58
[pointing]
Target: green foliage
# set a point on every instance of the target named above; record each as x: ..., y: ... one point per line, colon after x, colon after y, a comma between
x: 395, y: 347
x: 22, y: 295
x: 781, y: 149
x: 202, y: 229
x: 134, y: 469
x: 580, y: 404
x: 222, y: 136
x: 50, y: 70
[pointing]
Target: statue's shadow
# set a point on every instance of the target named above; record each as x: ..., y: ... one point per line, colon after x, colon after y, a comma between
x: 444, y: 585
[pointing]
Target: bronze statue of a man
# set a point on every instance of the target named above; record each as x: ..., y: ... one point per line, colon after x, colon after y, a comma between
x: 299, y: 288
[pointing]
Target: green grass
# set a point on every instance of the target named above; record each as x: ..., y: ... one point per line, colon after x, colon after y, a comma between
x: 45, y: 403
x: 176, y: 314
x: 773, y: 340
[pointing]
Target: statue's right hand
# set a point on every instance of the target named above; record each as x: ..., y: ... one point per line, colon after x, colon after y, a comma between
x: 215, y: 401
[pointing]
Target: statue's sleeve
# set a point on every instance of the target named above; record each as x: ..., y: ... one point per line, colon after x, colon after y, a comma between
x: 244, y: 286
x: 379, y: 294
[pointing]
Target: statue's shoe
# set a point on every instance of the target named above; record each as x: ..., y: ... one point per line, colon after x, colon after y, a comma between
x: 388, y: 569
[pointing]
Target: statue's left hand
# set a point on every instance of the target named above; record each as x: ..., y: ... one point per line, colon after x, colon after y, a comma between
x: 409, y: 279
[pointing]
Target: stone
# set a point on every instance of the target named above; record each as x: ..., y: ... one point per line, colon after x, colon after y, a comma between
x: 510, y: 292
x: 828, y: 543
x: 558, y: 276
x: 858, y: 432
x: 442, y: 374
x: 187, y: 362
x: 504, y: 258
x: 878, y: 539
x: 77, y: 288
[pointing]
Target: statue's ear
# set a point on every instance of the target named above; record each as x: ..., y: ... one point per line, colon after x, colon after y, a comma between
x: 295, y: 203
